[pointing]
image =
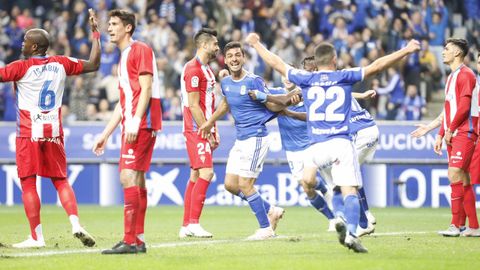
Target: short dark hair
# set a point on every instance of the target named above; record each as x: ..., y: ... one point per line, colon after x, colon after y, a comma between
x: 324, y: 54
x: 203, y: 35
x: 308, y: 59
x: 125, y: 16
x: 233, y: 45
x: 461, y: 43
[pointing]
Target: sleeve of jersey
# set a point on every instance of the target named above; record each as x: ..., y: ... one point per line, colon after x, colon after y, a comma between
x: 192, y: 80
x: 13, y: 71
x: 259, y: 84
x: 144, y: 58
x: 222, y: 92
x: 72, y: 65
x: 297, y: 76
x: 352, y: 75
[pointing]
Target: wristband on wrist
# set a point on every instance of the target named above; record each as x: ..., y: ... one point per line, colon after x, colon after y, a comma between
x: 262, y: 97
x: 96, y: 35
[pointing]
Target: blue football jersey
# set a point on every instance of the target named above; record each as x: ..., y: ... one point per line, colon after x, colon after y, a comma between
x: 293, y: 132
x: 250, y: 115
x: 328, y: 99
x: 360, y: 118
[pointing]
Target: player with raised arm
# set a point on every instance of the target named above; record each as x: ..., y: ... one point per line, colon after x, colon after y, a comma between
x: 461, y: 106
x: 198, y: 102
x: 39, y: 85
x: 245, y: 161
x: 139, y: 112
x: 327, y: 97
x: 295, y: 140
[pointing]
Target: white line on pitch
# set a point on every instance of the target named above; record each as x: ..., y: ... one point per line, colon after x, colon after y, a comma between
x: 172, y: 244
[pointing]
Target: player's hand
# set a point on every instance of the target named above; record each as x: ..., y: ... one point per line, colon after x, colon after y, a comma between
x: 252, y: 39
x: 421, y: 130
x: 295, y: 99
x: 93, y: 20
x: 253, y: 95
x: 437, y: 147
x: 223, y: 73
x: 213, y: 141
x: 132, y: 126
x: 448, y: 137
x: 99, y: 145
x: 413, y: 46
x: 205, y: 130
x: 369, y: 94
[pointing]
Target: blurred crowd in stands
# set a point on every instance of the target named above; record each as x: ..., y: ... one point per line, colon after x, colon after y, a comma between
x: 361, y: 30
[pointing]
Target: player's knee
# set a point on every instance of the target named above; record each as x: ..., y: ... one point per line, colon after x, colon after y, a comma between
x: 206, y: 173
x: 456, y: 175
x: 232, y: 188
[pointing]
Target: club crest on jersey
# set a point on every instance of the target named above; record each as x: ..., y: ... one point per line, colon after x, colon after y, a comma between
x: 243, y: 90
x: 195, y: 81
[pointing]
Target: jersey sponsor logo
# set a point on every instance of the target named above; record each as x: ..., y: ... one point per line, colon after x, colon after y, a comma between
x: 324, y: 77
x: 45, y: 118
x: 329, y: 131
x: 202, y: 158
x: 195, y: 81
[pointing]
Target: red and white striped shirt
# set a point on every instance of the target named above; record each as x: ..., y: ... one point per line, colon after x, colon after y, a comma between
x: 461, y: 102
x: 139, y: 59
x: 39, y: 85
x: 197, y: 77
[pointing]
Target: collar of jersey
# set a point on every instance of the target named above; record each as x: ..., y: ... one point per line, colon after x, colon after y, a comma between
x: 200, y: 61
x: 241, y: 79
x: 39, y: 56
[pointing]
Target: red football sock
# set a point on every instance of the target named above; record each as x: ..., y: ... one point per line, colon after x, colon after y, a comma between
x: 456, y: 200
x: 187, y: 202
x: 199, y: 193
x: 131, y: 202
x: 469, y: 206
x: 66, y: 195
x: 142, y: 210
x: 31, y: 203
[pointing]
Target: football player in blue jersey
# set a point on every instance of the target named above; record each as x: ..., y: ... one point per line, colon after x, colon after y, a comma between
x: 364, y: 133
x: 245, y: 161
x: 295, y: 140
x: 327, y: 99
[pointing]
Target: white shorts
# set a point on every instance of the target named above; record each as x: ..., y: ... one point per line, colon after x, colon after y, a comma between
x: 366, y: 141
x: 339, y: 156
x: 295, y: 162
x: 247, y: 156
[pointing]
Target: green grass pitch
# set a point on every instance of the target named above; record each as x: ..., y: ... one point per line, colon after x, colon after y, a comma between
x: 404, y: 239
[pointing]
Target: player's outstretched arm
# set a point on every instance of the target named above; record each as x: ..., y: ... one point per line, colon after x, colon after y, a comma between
x: 283, y: 100
x: 365, y: 95
x: 99, y: 145
x: 93, y: 63
x: 386, y: 61
x: 270, y: 58
x: 206, y: 127
x: 423, y: 129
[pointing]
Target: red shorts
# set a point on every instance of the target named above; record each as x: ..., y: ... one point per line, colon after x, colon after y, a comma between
x: 199, y: 151
x: 44, y: 157
x: 475, y: 166
x: 460, y: 152
x: 138, y: 155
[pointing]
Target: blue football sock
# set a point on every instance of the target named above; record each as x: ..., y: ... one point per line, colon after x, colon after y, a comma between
x: 256, y: 204
x: 363, y: 199
x: 337, y: 203
x: 363, y: 218
x: 321, y: 205
x: 265, y: 203
x: 352, y: 213
x: 321, y: 186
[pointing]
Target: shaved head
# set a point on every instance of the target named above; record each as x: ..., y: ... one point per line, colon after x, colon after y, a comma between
x: 40, y: 37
